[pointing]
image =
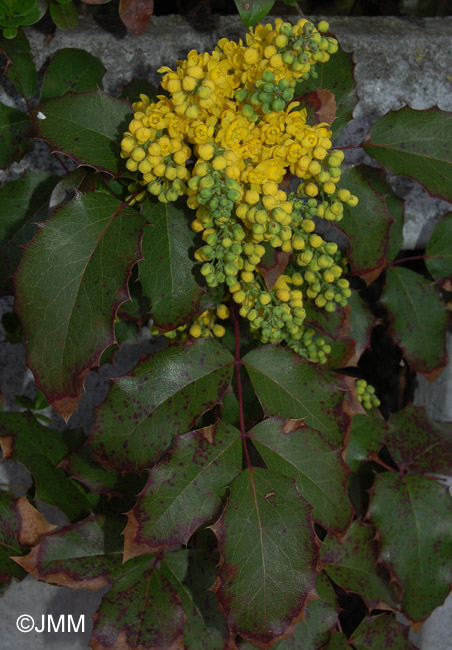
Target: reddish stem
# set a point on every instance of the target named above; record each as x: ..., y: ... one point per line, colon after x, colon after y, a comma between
x: 237, y: 363
x: 350, y: 146
x: 383, y: 464
x: 410, y: 259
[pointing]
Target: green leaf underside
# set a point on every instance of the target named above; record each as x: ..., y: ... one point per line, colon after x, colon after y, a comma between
x: 84, y: 555
x: 192, y: 573
x: 253, y: 11
x: 12, y: 522
x: 40, y: 450
x: 71, y: 70
x: 419, y: 319
x: 167, y: 270
x: 15, y: 129
x: 291, y: 387
x: 366, y: 226
x: 184, y: 490
x: 165, y: 395
x: 413, y: 517
x: 268, y: 555
x: 367, y: 436
x: 292, y: 449
x: 439, y: 250
x: 352, y: 563
x: 71, y: 280
x: 380, y: 633
x: 142, y: 610
x: 20, y: 70
x: 417, y: 144
x: 85, y: 126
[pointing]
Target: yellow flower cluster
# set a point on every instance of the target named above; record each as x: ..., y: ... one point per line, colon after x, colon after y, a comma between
x: 204, y: 325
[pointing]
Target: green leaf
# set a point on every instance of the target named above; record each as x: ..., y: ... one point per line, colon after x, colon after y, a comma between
x: 439, y: 251
x: 71, y: 280
x: 192, y: 573
x: 418, y: 319
x: 337, y: 641
x: 268, y: 555
x: 167, y: 270
x: 366, y: 226
x: 164, y: 395
x: 252, y: 11
x: 367, y: 436
x: 351, y: 563
x: 24, y: 201
x: 15, y: 132
x: 132, y: 90
x: 380, y: 633
x: 184, y: 490
x: 71, y: 70
x: 413, y: 516
x: 85, y: 126
x: 40, y: 450
x: 312, y: 633
x: 142, y: 610
x: 331, y: 324
x: 362, y: 322
x: 291, y: 448
x: 417, y: 144
x: 65, y: 16
x: 84, y: 555
x: 292, y: 387
x: 20, y: 68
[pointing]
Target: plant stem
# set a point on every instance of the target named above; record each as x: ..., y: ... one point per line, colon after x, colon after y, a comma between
x: 383, y: 464
x: 413, y: 257
x: 237, y: 363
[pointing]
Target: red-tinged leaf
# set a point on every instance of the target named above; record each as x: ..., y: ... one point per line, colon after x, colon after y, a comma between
x: 366, y: 226
x: 292, y: 387
x: 351, y: 562
x: 271, y: 271
x: 292, y: 449
x: 22, y: 526
x: 362, y: 322
x: 417, y: 144
x: 96, y: 2
x: 136, y: 14
x: 20, y: 68
x: 320, y: 104
x: 380, y: 632
x: 142, y: 611
x: 70, y: 282
x: 165, y: 395
x: 86, y: 127
x: 438, y: 254
x: 268, y: 556
x: 184, y: 490
x: 40, y: 450
x: 419, y: 446
x: 331, y: 324
x: 83, y: 556
x: 15, y: 135
x: 167, y: 272
x: 418, y: 319
x: 71, y: 70
x: 367, y: 436
x: 413, y: 516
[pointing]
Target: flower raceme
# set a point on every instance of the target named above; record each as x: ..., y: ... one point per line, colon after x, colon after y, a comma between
x: 226, y: 136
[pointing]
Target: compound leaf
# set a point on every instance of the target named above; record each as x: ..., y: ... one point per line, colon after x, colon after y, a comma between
x: 379, y: 633
x: 15, y: 132
x: 438, y: 254
x: 71, y: 70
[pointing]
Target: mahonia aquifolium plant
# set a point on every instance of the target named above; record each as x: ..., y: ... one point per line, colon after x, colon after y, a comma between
x: 225, y: 137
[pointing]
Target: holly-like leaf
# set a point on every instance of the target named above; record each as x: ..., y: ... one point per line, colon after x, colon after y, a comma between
x: 184, y: 490
x: 20, y: 68
x: 252, y: 11
x: 141, y: 611
x: 64, y: 15
x: 39, y: 449
x: 268, y: 555
x: 352, y: 563
x: 438, y: 254
x: 367, y: 436
x: 312, y: 633
x: 136, y: 14
x: 15, y: 132
x: 362, y: 322
x: 291, y: 448
x: 320, y: 105
x: 272, y: 266
x: 164, y: 395
x: 71, y: 280
x: 419, y: 319
x: 83, y: 556
x: 331, y: 324
x: 167, y: 270
x: 337, y: 641
x: 379, y: 633
x: 417, y: 144
x: 192, y: 573
x: 366, y: 226
x: 85, y: 126
x: 71, y: 70
x: 413, y: 516
x: 292, y: 387
x: 22, y: 526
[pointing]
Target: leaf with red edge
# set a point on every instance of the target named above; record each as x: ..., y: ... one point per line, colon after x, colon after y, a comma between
x: 292, y: 449
x: 292, y: 387
x: 136, y: 14
x: 15, y: 135
x: 413, y: 516
x: 164, y: 395
x: 184, y: 490
x: 367, y: 436
x: 362, y: 322
x: 380, y: 632
x: 273, y: 265
x: 268, y: 556
x: 71, y: 69
x: 351, y: 562
x: 320, y: 105
x: 70, y: 282
x: 438, y: 254
x: 142, y: 611
x: 418, y: 319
